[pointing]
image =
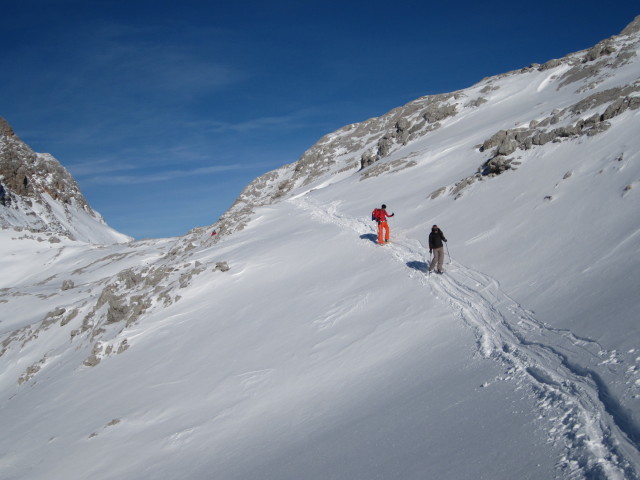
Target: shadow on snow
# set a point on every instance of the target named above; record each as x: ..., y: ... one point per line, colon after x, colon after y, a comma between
x: 420, y: 266
x: 370, y: 236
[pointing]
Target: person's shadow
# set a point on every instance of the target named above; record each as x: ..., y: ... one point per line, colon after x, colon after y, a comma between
x: 416, y: 265
x: 370, y: 236
x: 420, y: 266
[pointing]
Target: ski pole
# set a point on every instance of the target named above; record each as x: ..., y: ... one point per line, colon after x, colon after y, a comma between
x: 447, y: 245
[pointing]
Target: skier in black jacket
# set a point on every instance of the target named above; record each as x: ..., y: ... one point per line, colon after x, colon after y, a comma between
x: 436, y: 237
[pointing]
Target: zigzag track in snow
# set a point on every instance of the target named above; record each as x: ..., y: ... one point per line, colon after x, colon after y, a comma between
x: 600, y: 440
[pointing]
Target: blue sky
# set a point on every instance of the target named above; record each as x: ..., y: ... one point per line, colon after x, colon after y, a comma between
x: 163, y: 111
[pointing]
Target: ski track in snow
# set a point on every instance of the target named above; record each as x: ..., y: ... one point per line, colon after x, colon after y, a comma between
x: 598, y: 437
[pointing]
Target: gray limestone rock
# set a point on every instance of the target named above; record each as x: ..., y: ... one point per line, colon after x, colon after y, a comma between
x: 632, y: 28
x: 222, y: 267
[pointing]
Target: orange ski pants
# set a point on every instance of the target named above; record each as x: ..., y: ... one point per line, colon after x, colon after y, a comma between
x: 383, y: 232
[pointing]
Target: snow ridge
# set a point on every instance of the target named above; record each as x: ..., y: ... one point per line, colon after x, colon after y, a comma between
x: 600, y: 439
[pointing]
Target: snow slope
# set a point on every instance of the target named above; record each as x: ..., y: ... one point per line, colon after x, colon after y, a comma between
x: 344, y: 377
x: 293, y: 346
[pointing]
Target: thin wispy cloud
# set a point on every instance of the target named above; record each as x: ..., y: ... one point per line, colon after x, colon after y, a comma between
x: 178, y: 70
x: 95, y: 166
x: 108, y: 69
x: 291, y: 121
x: 163, y: 176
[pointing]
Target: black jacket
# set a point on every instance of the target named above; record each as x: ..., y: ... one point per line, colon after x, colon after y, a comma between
x: 436, y: 239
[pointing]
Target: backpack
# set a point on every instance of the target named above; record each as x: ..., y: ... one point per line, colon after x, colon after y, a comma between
x: 377, y: 215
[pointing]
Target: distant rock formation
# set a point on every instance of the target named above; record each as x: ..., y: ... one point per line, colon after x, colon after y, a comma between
x: 28, y: 174
x: 38, y: 194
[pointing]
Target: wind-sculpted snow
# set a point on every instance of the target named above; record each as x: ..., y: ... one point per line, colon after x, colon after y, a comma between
x: 599, y: 440
x: 564, y: 373
x: 125, y: 282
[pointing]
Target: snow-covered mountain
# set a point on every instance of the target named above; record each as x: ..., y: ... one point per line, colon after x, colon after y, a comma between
x: 39, y: 196
x: 290, y: 345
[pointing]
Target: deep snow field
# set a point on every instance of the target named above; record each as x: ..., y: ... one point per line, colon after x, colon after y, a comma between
x: 320, y: 354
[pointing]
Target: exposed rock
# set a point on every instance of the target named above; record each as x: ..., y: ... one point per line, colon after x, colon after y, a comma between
x: 476, y: 103
x: 124, y: 345
x: 37, y: 193
x: 461, y: 185
x: 384, y: 145
x: 489, y: 88
x: 388, y: 167
x: 185, y: 278
x: 29, y: 174
x: 437, y: 113
x: 368, y: 159
x: 496, y: 165
x: 436, y: 193
x: 605, y: 97
x: 506, y: 142
x: 5, y: 198
x: 95, y: 357
x: 30, y: 372
x: 57, y: 312
x: 599, y: 50
x: 5, y: 128
x: 507, y: 147
x: 494, y: 141
x: 550, y: 64
x: 222, y: 267
x: 632, y: 28
x: 73, y: 314
x: 620, y: 106
x: 403, y: 127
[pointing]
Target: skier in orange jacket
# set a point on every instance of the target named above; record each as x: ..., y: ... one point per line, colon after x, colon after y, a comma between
x: 380, y: 215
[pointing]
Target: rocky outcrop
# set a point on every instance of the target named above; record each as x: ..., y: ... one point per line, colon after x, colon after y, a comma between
x: 5, y: 129
x: 506, y: 142
x: 37, y: 194
x: 633, y: 27
x: 587, y: 117
x: 409, y: 126
x: 28, y: 174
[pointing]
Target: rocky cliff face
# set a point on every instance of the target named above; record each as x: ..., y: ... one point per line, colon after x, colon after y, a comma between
x: 38, y: 194
x: 30, y: 175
